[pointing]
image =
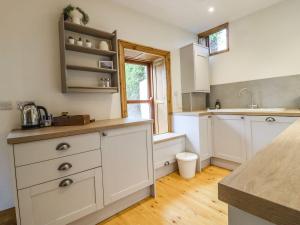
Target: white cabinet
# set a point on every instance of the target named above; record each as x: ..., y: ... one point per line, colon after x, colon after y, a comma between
x: 127, y: 160
x: 60, y: 180
x: 62, y: 201
x: 198, y: 135
x: 229, y: 138
x: 165, y: 152
x: 194, y: 69
x: 262, y: 130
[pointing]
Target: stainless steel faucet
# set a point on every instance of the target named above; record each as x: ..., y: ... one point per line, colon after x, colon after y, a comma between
x: 246, y: 90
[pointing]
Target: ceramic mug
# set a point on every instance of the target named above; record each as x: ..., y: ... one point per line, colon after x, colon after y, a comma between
x: 103, y: 45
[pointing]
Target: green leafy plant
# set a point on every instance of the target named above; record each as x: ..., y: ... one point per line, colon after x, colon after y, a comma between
x: 67, y: 13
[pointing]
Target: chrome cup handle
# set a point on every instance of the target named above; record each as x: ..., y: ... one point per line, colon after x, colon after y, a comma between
x: 66, y: 182
x: 65, y: 167
x: 63, y: 146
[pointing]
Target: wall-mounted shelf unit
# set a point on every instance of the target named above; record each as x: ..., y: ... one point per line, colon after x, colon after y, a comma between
x: 81, y: 51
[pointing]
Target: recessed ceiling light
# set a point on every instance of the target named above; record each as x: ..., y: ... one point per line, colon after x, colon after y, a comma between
x: 211, y: 9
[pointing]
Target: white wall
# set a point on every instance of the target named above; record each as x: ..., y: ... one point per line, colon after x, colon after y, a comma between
x: 30, y: 67
x: 263, y: 45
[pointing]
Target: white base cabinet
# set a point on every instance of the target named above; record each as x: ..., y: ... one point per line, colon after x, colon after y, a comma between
x: 262, y: 130
x: 165, y: 152
x: 52, y: 204
x: 229, y: 138
x: 198, y: 135
x: 127, y: 161
x: 61, y: 180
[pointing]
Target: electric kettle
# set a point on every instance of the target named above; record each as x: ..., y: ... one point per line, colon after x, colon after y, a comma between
x: 31, y: 115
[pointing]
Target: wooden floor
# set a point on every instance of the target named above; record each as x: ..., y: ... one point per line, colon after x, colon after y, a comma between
x: 178, y: 201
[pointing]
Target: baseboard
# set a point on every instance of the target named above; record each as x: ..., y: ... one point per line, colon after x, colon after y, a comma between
x: 224, y: 163
x: 8, y: 217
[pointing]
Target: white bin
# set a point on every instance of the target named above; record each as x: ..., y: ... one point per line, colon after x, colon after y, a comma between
x: 187, y: 164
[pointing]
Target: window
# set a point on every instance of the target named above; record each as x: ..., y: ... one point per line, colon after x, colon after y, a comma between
x: 138, y: 90
x: 216, y: 39
x: 145, y: 84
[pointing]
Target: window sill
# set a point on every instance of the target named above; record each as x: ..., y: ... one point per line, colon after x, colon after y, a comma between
x: 216, y: 53
x: 166, y: 137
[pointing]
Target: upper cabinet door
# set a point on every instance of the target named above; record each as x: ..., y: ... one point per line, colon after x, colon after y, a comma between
x: 202, y: 83
x: 194, y: 69
x: 127, y: 161
x: 229, y: 138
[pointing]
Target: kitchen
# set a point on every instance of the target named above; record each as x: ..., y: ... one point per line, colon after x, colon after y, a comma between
x: 260, y: 57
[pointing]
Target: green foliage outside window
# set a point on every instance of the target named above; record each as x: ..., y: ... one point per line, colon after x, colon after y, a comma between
x: 134, y: 75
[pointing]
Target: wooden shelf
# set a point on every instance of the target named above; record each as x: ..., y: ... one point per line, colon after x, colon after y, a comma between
x: 64, y: 27
x: 94, y: 51
x: 90, y: 69
x: 87, y: 30
x: 87, y: 89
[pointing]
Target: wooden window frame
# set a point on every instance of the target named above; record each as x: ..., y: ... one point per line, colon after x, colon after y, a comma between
x: 212, y: 31
x: 122, y: 45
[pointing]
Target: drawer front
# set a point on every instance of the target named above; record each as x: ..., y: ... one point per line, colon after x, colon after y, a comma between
x: 51, y: 204
x: 38, y: 151
x: 165, y: 152
x: 38, y: 173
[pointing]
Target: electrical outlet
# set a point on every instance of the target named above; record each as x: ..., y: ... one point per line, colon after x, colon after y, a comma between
x: 6, y: 105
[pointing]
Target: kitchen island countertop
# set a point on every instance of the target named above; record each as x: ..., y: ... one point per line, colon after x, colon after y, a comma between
x: 268, y: 186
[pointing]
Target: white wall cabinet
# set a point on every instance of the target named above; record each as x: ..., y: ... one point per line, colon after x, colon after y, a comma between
x: 262, y: 130
x: 229, y: 138
x: 194, y: 69
x: 127, y: 159
x: 198, y: 135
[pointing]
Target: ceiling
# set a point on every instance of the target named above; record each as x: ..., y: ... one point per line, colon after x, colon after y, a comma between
x: 193, y: 15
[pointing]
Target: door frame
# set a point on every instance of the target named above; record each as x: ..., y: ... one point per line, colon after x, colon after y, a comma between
x: 122, y: 45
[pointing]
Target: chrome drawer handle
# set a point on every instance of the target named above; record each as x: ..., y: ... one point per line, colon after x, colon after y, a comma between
x: 66, y: 182
x: 270, y: 119
x: 65, y: 167
x: 63, y: 147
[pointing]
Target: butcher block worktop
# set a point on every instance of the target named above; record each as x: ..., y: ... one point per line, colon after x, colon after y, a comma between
x: 245, y: 112
x: 23, y: 136
x: 268, y: 186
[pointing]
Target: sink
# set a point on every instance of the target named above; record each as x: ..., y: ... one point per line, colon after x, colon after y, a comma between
x: 248, y: 110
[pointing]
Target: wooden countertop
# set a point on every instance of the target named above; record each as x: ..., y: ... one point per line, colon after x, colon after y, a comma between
x: 268, y: 185
x: 286, y: 112
x: 23, y: 136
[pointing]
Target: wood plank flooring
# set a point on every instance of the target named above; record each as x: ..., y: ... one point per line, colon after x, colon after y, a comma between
x: 178, y: 201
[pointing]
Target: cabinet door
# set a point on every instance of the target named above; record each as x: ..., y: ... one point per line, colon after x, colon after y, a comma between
x: 229, y: 138
x: 51, y: 204
x: 127, y: 159
x: 205, y: 137
x: 201, y: 69
x: 262, y: 130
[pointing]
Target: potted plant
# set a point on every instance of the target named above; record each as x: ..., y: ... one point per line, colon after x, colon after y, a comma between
x: 76, y: 15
